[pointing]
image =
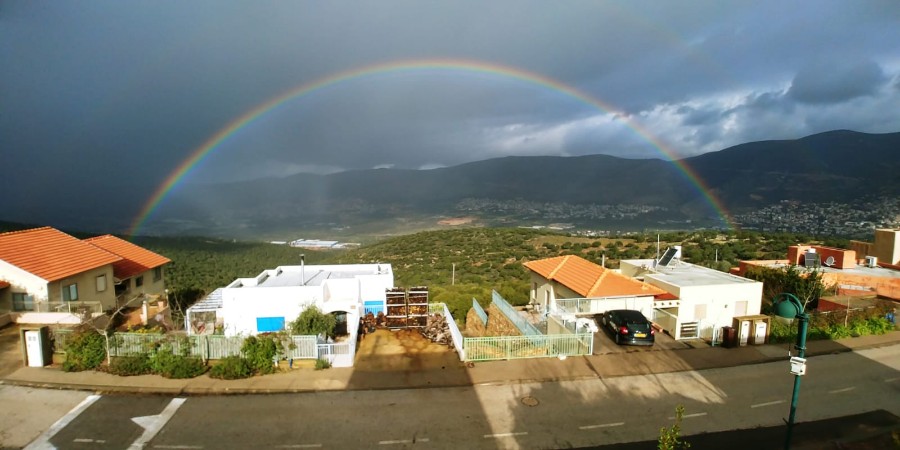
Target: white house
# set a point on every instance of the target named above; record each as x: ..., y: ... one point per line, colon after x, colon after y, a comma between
x: 274, y: 298
x: 704, y: 299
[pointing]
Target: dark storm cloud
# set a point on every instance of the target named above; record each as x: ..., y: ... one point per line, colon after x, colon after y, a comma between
x: 125, y: 92
x: 836, y: 81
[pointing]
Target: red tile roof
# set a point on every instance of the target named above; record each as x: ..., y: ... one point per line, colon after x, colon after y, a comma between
x: 135, y: 259
x: 588, y: 279
x: 3, y: 284
x: 51, y: 254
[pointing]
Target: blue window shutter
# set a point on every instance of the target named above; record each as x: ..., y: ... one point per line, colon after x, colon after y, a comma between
x: 266, y: 324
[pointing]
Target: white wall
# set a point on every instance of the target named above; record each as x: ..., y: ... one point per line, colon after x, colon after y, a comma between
x: 720, y: 303
x: 242, y: 306
x: 22, y: 281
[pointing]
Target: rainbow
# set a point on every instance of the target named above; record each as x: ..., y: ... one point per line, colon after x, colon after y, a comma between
x: 414, y: 65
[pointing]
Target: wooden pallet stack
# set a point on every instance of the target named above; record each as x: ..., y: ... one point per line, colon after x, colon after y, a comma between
x: 417, y: 306
x: 397, y: 313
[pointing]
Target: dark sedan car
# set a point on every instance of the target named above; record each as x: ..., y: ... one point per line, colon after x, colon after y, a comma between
x: 628, y: 327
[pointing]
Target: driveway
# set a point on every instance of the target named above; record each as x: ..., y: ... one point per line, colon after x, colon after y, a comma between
x: 603, y: 344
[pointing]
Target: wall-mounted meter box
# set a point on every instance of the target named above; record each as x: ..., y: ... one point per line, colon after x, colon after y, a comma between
x: 798, y: 365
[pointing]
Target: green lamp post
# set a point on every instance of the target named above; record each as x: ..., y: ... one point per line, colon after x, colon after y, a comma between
x: 790, y: 307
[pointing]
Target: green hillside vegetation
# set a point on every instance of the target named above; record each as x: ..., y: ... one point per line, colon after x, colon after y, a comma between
x: 486, y: 258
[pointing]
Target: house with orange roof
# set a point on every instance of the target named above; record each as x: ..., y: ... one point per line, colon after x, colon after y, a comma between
x: 48, y: 273
x: 48, y: 276
x: 140, y: 272
x: 571, y: 284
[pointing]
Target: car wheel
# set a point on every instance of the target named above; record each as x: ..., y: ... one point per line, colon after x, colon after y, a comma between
x: 618, y: 339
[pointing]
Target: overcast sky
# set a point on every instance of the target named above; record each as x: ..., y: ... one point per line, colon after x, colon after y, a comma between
x: 126, y: 91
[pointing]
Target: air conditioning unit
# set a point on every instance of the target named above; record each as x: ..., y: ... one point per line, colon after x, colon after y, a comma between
x: 871, y: 261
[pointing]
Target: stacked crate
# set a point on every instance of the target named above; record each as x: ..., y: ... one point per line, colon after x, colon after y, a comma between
x: 417, y: 306
x: 396, y: 308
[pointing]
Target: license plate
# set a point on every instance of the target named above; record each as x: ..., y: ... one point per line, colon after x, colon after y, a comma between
x: 640, y: 334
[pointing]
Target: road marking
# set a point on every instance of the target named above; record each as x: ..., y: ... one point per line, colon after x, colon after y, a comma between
x: 88, y: 441
x: 179, y: 447
x: 688, y: 416
x: 891, y: 380
x: 503, y: 435
x: 760, y: 405
x: 605, y: 425
x: 152, y: 424
x: 43, y: 441
x: 299, y: 446
x: 838, y: 391
x: 402, y: 441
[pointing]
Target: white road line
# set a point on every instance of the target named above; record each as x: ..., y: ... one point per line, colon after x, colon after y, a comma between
x: 153, y: 427
x: 760, y: 405
x: 838, y: 391
x: 89, y: 441
x: 299, y: 446
x: 43, y: 441
x: 502, y: 435
x: 688, y: 416
x: 891, y: 380
x: 402, y: 441
x: 179, y: 447
x: 604, y: 425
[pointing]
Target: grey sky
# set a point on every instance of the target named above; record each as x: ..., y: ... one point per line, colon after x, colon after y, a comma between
x: 125, y: 91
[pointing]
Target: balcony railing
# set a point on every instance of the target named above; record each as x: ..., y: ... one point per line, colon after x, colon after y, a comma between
x: 68, y: 307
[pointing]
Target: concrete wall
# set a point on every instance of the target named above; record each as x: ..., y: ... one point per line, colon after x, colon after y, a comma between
x: 20, y: 282
x: 719, y: 302
x: 242, y: 306
x: 150, y: 287
x: 887, y: 246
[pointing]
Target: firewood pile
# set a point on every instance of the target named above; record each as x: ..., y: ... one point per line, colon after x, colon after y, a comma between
x: 437, y: 330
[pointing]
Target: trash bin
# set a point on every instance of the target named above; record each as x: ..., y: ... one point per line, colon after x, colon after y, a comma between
x: 729, y: 337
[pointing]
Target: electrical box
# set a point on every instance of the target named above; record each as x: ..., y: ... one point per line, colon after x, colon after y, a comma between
x: 798, y: 365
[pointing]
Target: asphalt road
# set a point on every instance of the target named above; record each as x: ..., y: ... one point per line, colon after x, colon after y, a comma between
x: 541, y: 415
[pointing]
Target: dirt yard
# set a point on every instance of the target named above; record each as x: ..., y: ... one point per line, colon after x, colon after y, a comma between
x: 402, y: 350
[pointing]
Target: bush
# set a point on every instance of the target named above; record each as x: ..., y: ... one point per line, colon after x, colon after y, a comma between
x: 85, y: 350
x: 231, y: 368
x: 261, y: 352
x: 166, y: 363
x: 130, y: 365
x: 322, y: 364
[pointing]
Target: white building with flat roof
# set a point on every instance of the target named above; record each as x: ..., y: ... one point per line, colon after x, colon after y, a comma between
x: 274, y: 298
x: 706, y: 298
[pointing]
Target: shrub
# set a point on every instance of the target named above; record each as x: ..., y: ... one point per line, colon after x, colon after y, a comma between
x: 322, y: 364
x: 166, y: 363
x: 231, y: 368
x: 261, y: 352
x: 130, y: 365
x: 313, y: 322
x: 85, y: 350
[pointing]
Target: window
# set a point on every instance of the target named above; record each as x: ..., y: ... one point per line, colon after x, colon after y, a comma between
x: 70, y: 292
x: 101, y: 283
x: 139, y: 281
x: 22, y: 302
x: 157, y: 274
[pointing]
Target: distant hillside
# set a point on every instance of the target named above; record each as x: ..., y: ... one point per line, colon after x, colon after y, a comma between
x: 834, y: 166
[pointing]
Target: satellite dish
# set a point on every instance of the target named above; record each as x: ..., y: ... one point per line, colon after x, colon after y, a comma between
x: 829, y: 261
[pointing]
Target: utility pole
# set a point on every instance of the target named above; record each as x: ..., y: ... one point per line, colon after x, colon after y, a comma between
x: 453, y: 276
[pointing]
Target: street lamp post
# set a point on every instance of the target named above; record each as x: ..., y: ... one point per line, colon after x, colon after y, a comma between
x: 790, y: 307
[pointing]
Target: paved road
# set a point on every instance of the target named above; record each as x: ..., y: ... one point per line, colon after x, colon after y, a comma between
x: 540, y: 415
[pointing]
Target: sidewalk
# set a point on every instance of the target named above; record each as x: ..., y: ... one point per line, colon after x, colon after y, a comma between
x: 492, y: 373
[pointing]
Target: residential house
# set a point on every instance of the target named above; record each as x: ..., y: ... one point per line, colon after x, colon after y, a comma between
x: 47, y: 276
x: 274, y: 298
x: 867, y: 269
x: 702, y: 301
x: 571, y: 284
x: 139, y: 274
x: 47, y: 273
